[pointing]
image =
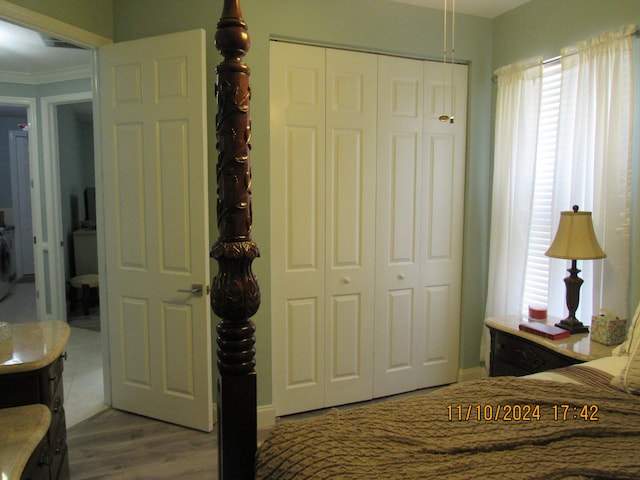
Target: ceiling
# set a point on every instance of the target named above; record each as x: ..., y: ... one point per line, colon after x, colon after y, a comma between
x: 28, y: 57
x: 479, y: 8
x: 25, y: 55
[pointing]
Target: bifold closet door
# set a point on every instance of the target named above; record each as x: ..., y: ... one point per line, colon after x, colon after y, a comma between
x: 367, y: 190
x: 420, y: 198
x: 441, y: 225
x: 323, y: 225
x: 297, y: 96
x: 350, y: 227
x: 399, y: 323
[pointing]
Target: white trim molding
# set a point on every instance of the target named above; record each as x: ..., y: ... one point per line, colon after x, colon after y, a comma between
x: 59, y: 75
x: 474, y: 373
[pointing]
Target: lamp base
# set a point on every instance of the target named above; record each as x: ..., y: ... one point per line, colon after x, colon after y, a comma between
x: 573, y: 325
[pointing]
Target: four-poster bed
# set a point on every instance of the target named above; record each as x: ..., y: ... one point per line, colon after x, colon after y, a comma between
x: 235, y: 295
x: 581, y: 422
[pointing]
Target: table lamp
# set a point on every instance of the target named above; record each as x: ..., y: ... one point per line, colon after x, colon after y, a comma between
x: 574, y: 240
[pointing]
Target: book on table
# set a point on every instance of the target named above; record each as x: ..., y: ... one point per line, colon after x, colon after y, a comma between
x: 544, y: 330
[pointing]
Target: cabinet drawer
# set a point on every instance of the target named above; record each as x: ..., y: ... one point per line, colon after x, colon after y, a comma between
x: 59, y: 462
x: 57, y: 410
x: 37, y: 468
x: 37, y: 386
x: 53, y: 379
x: 512, y: 355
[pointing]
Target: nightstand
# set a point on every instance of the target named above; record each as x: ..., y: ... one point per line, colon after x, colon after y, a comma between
x: 514, y: 352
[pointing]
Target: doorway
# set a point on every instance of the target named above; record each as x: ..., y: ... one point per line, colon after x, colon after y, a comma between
x: 23, y: 259
x: 61, y: 136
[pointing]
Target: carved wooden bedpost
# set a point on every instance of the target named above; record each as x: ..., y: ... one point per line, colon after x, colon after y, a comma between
x: 235, y: 296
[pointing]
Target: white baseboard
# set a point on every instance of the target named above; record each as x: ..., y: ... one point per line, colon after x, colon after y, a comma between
x: 266, y: 415
x: 472, y: 374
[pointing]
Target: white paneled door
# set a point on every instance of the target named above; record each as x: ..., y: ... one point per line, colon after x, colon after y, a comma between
x: 441, y: 223
x: 350, y: 225
x: 399, y: 329
x: 297, y: 184
x: 21, y: 191
x: 420, y: 202
x: 152, y: 98
x: 355, y: 160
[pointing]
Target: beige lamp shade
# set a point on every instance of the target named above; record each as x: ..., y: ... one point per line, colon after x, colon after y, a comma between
x: 575, y: 238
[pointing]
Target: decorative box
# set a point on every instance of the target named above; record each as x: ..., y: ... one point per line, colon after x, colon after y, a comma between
x: 537, y: 312
x: 608, y: 330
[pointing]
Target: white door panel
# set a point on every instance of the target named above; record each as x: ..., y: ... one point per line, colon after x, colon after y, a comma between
x: 155, y: 203
x: 21, y: 182
x: 366, y: 205
x: 298, y: 230
x: 350, y: 225
x: 442, y: 210
x: 398, y: 316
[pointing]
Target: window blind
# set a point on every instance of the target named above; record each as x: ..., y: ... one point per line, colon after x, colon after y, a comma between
x: 536, y: 284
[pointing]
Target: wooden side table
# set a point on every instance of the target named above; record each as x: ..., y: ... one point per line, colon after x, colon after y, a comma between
x: 514, y: 352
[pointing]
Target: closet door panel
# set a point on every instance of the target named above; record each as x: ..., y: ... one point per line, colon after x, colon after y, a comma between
x: 398, y: 314
x: 367, y: 191
x: 304, y: 222
x: 302, y: 323
x: 298, y: 226
x: 350, y: 224
x: 441, y: 220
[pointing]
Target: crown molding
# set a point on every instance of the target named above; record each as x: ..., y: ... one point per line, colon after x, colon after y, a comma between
x: 61, y: 75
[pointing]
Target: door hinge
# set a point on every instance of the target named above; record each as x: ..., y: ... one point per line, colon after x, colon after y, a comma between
x: 35, y: 241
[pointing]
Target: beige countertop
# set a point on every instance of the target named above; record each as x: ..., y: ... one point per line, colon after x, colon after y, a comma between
x: 22, y: 430
x: 33, y: 346
x: 578, y: 345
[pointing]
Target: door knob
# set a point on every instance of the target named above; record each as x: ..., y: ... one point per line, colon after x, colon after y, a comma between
x: 196, y: 290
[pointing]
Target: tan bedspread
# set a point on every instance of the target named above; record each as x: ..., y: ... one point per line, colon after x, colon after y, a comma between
x: 465, y: 431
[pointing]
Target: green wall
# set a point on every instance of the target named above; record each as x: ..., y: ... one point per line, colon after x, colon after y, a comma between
x: 372, y: 25
x: 95, y: 16
x: 544, y: 27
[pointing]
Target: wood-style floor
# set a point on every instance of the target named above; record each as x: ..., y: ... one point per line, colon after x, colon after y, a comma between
x: 118, y: 445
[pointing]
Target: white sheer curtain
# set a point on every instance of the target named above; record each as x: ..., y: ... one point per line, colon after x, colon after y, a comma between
x: 517, y: 112
x: 592, y: 170
x: 593, y: 166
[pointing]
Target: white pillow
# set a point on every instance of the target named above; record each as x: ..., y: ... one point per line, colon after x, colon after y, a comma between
x: 629, y: 378
x: 633, y: 336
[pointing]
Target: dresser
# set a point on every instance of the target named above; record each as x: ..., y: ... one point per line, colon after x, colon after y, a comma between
x: 23, y: 443
x: 514, y: 352
x: 31, y: 369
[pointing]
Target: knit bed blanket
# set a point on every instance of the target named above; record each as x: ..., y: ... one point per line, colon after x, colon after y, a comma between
x: 494, y: 428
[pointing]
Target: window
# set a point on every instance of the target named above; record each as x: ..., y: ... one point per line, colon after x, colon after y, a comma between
x: 563, y: 138
x: 536, y: 285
